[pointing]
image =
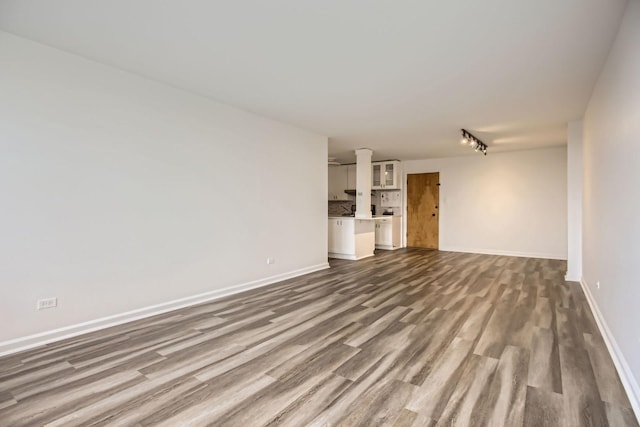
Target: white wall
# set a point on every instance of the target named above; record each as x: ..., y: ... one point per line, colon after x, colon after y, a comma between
x: 574, y: 201
x: 114, y: 194
x: 611, y: 215
x: 511, y: 203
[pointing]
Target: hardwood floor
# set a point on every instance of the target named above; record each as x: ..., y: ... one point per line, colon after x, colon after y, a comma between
x: 411, y: 337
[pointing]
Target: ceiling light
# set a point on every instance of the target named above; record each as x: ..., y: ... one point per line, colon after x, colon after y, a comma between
x: 475, y: 143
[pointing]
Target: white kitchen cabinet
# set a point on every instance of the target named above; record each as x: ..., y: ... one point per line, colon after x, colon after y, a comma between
x: 351, y: 177
x: 384, y: 234
x: 338, y: 183
x: 351, y: 238
x: 385, y: 175
x: 333, y: 225
x: 340, y: 231
x: 387, y: 232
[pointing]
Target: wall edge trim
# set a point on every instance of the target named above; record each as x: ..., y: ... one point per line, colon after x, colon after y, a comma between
x: 569, y: 277
x: 626, y: 376
x: 505, y: 253
x: 35, y: 340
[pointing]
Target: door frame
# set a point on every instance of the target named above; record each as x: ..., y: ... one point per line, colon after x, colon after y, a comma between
x: 405, y: 203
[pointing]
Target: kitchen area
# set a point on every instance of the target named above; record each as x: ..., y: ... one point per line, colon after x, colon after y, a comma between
x: 364, y: 208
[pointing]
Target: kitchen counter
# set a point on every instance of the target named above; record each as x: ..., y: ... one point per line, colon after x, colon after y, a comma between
x: 351, y: 238
x: 350, y: 217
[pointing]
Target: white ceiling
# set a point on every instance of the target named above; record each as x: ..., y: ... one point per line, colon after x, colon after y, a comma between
x: 400, y: 77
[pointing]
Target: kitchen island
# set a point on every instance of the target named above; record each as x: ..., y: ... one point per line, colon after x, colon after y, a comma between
x: 351, y: 238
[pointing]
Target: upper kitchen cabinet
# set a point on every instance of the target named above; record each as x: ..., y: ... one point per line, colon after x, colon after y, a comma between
x: 385, y: 175
x: 351, y: 177
x: 338, y: 182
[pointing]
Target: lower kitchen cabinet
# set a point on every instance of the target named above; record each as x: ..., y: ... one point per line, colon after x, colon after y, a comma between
x: 340, y: 236
x: 387, y: 232
x: 351, y: 238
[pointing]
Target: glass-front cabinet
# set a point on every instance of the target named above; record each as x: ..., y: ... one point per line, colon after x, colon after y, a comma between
x: 376, y: 175
x: 385, y: 175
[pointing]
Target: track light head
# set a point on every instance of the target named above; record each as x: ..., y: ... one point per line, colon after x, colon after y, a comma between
x: 473, y: 142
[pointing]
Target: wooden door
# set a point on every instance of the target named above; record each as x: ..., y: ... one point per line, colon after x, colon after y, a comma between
x: 423, y: 198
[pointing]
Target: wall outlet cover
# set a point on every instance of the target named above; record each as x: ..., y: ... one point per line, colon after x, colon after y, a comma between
x: 47, y: 303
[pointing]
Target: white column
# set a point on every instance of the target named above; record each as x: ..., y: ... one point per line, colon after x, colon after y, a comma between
x: 363, y: 183
x: 574, y: 201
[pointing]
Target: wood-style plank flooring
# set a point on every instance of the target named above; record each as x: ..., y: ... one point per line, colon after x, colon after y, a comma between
x: 410, y: 337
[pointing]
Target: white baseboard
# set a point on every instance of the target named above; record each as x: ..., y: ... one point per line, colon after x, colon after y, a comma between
x: 572, y: 278
x: 626, y: 376
x: 349, y: 257
x: 387, y: 247
x: 35, y: 340
x: 504, y: 253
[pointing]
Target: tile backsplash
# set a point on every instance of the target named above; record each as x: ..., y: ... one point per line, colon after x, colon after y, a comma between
x: 337, y: 208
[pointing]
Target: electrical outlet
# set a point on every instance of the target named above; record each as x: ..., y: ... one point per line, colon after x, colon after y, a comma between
x: 47, y: 303
x: 598, y: 284
x: 271, y: 260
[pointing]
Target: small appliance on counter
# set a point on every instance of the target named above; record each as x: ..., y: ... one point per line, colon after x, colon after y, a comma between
x: 373, y: 209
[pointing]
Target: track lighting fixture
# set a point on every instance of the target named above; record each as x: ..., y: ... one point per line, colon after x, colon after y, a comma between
x: 475, y: 143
